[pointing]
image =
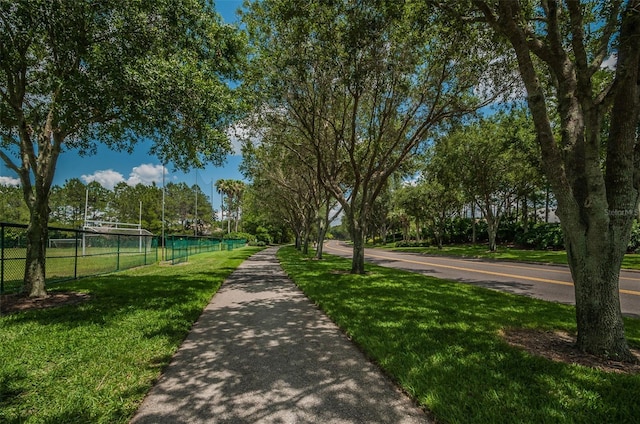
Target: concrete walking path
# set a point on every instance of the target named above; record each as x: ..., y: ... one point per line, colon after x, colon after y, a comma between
x: 261, y: 352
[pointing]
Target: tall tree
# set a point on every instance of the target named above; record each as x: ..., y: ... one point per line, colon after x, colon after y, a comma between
x: 236, y: 189
x: 300, y: 188
x: 75, y: 73
x: 490, y: 161
x: 179, y: 207
x: 222, y: 187
x: 74, y: 192
x: 12, y: 206
x: 291, y: 186
x: 413, y: 199
x: 593, y: 169
x: 231, y: 195
x: 364, y: 83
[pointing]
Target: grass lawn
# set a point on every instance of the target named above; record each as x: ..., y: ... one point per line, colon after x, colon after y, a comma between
x: 63, y: 265
x: 631, y: 261
x: 440, y: 341
x: 94, y: 362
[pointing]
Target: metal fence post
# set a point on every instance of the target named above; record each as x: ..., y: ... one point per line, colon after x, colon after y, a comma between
x: 1, y: 258
x: 118, y: 253
x: 75, y: 261
x: 172, y: 248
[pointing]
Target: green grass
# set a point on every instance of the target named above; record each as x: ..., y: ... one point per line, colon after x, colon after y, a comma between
x: 94, y: 362
x: 63, y: 265
x: 631, y: 261
x: 440, y: 341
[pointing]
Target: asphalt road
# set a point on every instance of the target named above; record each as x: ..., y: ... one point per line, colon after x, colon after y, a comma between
x: 548, y: 282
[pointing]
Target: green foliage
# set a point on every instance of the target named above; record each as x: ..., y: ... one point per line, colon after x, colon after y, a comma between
x: 235, y: 235
x: 123, y: 202
x: 634, y: 241
x: 457, y: 230
x: 353, y: 89
x: 542, y: 237
x: 262, y: 235
x: 12, y: 205
x: 78, y: 73
x: 231, y: 192
x: 129, y: 69
x: 412, y: 243
x: 95, y: 361
x: 440, y: 341
x: 492, y: 161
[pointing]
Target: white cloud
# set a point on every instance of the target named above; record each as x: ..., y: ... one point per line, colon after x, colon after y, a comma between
x: 107, y: 178
x: 243, y: 132
x: 610, y: 63
x: 9, y: 181
x: 146, y: 174
x: 236, y: 134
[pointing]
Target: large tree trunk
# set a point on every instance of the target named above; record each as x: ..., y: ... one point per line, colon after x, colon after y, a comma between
x: 546, y: 204
x: 298, y: 244
x: 37, y: 198
x: 492, y: 229
x: 43, y: 164
x: 595, y: 202
x: 595, y: 267
x: 305, y: 242
x: 322, y: 231
x: 357, y: 236
x: 492, y: 225
x: 37, y: 236
x: 473, y: 223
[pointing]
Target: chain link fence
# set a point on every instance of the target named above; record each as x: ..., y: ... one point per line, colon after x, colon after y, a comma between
x: 179, y: 248
x: 73, y: 254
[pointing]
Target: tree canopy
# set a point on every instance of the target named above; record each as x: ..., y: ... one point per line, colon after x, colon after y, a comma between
x: 363, y: 85
x: 592, y: 161
x: 75, y: 73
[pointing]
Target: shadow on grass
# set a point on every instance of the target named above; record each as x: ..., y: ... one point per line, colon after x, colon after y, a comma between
x: 95, y: 361
x: 265, y: 354
x: 12, y: 386
x: 440, y: 340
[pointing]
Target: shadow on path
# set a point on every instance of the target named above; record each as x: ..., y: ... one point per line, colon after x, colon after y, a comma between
x: 261, y: 352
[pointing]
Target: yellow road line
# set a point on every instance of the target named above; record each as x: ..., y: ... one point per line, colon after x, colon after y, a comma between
x: 539, y: 269
x: 500, y: 274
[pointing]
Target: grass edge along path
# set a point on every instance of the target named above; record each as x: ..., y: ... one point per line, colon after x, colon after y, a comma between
x: 94, y: 362
x: 440, y: 342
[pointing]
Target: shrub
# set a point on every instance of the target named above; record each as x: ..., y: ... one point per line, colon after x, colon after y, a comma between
x: 634, y: 241
x: 262, y: 235
x: 412, y: 243
x: 509, y: 229
x: 239, y: 236
x: 542, y: 237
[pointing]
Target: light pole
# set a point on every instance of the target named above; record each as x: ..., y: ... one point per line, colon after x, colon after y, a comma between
x: 163, y: 243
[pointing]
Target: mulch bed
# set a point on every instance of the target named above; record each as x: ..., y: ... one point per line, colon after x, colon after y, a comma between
x: 561, y: 346
x: 10, y: 303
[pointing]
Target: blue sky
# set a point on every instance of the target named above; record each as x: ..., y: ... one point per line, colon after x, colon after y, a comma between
x: 109, y: 167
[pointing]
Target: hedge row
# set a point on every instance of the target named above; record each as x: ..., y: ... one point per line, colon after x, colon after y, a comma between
x: 541, y: 236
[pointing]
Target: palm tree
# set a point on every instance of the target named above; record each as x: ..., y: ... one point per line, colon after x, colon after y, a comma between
x: 232, y: 191
x: 223, y: 188
x: 236, y: 189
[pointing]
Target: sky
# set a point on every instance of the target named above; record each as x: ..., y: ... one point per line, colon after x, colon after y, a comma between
x: 109, y: 167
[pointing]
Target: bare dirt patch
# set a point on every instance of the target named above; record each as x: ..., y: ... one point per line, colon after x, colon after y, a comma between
x: 561, y: 347
x: 15, y: 303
